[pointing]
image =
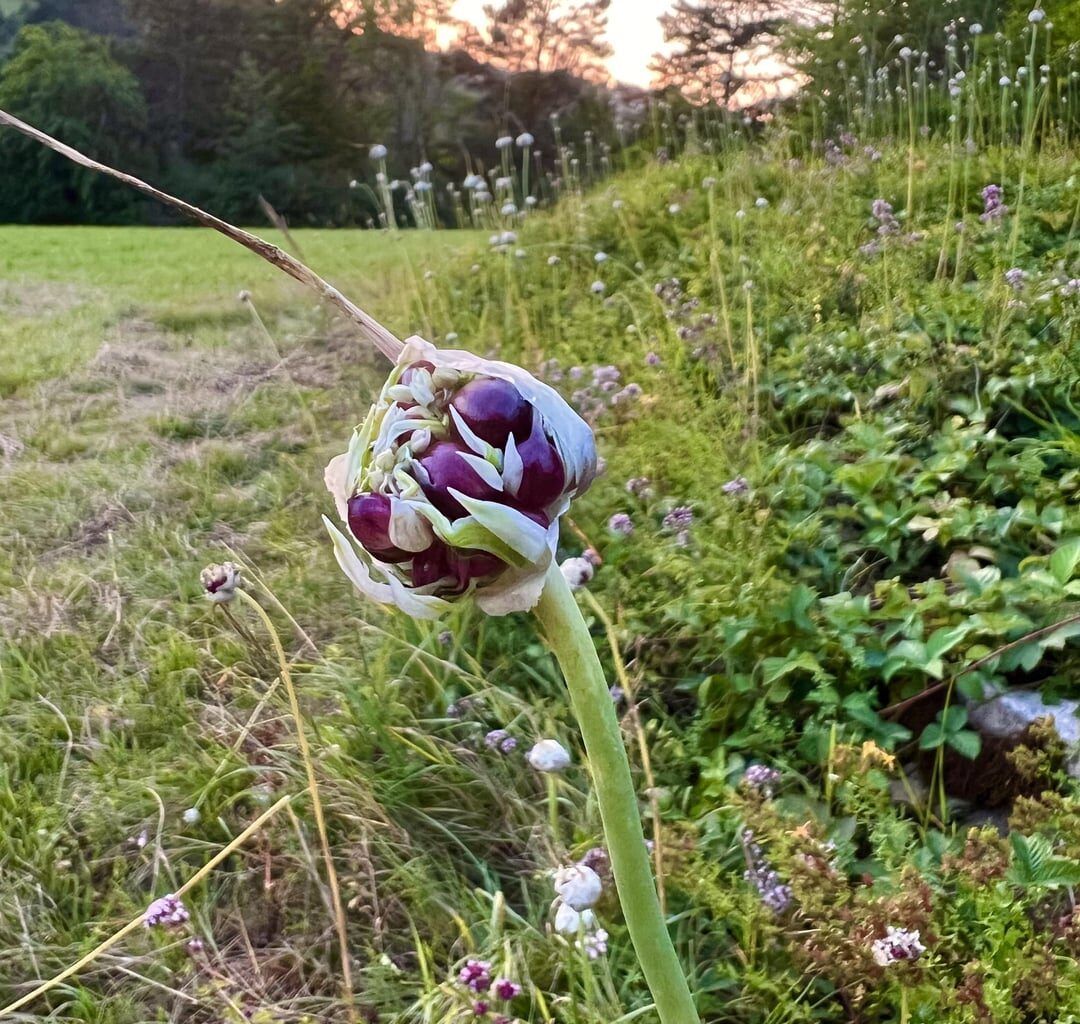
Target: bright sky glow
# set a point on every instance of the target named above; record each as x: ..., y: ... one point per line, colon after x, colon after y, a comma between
x: 633, y: 31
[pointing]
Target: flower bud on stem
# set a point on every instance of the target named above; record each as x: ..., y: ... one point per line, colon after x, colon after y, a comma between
x: 568, y: 637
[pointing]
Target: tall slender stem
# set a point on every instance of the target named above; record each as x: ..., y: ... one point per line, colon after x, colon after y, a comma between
x: 569, y: 639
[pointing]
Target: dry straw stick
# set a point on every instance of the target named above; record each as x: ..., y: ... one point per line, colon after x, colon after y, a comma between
x: 132, y: 925
x: 386, y: 342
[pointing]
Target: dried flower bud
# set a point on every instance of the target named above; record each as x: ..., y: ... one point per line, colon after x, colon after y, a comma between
x: 455, y: 482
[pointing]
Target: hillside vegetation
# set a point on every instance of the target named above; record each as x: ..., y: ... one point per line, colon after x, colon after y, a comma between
x: 836, y: 394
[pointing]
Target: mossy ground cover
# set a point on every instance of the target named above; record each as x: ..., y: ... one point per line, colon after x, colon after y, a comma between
x: 848, y: 461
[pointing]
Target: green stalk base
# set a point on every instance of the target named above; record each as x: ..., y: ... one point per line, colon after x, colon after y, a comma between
x: 569, y: 639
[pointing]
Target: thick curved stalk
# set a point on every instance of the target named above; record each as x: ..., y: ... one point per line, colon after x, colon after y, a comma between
x: 569, y: 639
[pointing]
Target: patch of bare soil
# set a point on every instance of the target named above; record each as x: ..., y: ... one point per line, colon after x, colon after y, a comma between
x: 41, y: 298
x: 153, y: 372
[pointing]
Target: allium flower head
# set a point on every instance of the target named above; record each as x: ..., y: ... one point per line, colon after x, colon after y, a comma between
x: 377, y: 152
x: 1036, y: 15
x: 621, y: 524
x: 166, y: 912
x: 548, y: 756
x: 578, y: 886
x: 525, y: 139
x: 220, y: 581
x: 1015, y: 278
x: 994, y: 207
x: 897, y: 945
x: 598, y: 287
x: 504, y: 142
x: 455, y: 482
x: 679, y: 518
x: 739, y: 485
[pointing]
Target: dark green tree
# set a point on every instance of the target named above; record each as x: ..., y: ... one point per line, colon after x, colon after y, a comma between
x: 66, y: 82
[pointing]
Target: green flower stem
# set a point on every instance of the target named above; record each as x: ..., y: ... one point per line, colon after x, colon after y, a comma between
x: 569, y: 639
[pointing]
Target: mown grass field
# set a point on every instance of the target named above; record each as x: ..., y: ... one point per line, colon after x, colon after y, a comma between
x: 875, y: 434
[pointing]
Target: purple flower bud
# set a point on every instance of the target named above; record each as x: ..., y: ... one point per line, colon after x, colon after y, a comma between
x: 621, y: 524
x: 442, y: 467
x: 542, y: 475
x: 369, y: 521
x: 481, y: 1007
x: 493, y: 410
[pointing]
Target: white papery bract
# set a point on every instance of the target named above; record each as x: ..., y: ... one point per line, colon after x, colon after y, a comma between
x: 548, y: 756
x: 578, y: 886
x: 439, y: 503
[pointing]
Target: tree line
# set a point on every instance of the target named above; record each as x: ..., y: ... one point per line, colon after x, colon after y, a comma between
x: 227, y: 101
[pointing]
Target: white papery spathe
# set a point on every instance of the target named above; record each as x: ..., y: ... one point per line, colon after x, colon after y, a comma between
x: 548, y: 756
x: 578, y: 886
x: 527, y: 547
x: 569, y: 922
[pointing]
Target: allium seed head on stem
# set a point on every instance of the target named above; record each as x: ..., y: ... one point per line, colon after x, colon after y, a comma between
x: 455, y: 482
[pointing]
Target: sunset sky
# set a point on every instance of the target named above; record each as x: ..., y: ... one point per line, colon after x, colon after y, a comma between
x: 632, y: 30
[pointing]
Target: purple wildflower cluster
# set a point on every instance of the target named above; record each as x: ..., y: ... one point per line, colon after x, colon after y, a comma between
x: 882, y: 212
x: 993, y: 207
x: 738, y: 486
x: 500, y: 740
x: 1015, y: 278
x: 834, y: 154
x: 596, y: 396
x: 621, y: 524
x: 898, y: 945
x: 775, y: 894
x: 694, y: 328
x: 476, y: 977
x: 678, y: 521
x: 594, y: 944
x: 166, y: 912
x: 761, y: 778
x: 640, y: 487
